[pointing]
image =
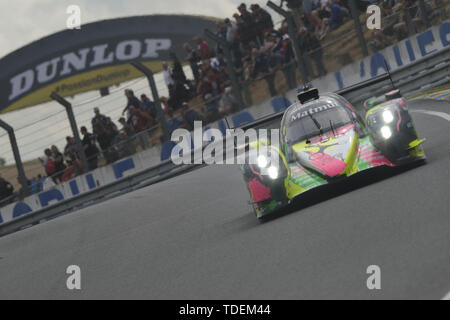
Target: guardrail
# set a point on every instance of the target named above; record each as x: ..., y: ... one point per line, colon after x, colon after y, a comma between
x: 427, y: 72
x: 138, y: 180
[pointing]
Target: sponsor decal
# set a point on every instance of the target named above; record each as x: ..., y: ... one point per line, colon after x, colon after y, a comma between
x: 300, y: 114
x: 84, y: 59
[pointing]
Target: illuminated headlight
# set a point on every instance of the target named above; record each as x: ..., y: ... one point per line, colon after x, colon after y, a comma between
x: 262, y: 161
x: 388, y: 117
x: 386, y: 132
x: 273, y: 172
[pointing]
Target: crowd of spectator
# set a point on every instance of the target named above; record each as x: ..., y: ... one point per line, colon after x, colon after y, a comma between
x: 398, y: 17
x: 106, y: 141
x: 110, y: 142
x: 258, y: 51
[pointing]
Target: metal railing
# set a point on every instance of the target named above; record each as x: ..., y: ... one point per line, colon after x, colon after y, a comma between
x: 430, y: 71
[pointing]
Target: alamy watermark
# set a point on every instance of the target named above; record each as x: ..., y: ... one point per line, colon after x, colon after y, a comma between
x: 374, y: 280
x: 73, y: 281
x: 255, y: 147
x: 374, y: 19
x: 74, y: 19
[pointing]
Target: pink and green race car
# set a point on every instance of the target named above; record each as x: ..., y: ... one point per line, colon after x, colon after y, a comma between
x: 323, y: 139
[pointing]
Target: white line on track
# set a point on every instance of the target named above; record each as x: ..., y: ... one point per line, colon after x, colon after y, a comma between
x: 445, y: 116
x: 442, y: 115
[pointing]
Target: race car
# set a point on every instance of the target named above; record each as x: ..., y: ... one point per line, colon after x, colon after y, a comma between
x: 322, y: 140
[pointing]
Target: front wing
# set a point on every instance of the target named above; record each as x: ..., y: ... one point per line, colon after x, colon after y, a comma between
x: 301, y: 179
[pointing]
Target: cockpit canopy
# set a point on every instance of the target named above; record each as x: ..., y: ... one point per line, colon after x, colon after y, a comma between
x: 304, y: 121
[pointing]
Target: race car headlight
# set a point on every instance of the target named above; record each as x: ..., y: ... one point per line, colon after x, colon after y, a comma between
x: 273, y: 172
x: 388, y: 117
x: 386, y: 132
x: 262, y: 161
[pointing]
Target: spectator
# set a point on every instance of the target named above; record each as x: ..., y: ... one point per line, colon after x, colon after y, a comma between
x: 189, y: 116
x: 246, y: 70
x: 211, y: 84
x: 40, y: 181
x: 323, y: 10
x: 386, y: 35
x: 180, y: 92
x: 59, y: 163
x: 269, y: 43
x: 233, y: 40
x: 173, y: 122
x: 70, y: 150
x: 295, y: 6
x: 336, y: 18
x: 105, y: 131
x: 312, y: 15
x: 178, y: 74
x: 167, y: 73
x: 412, y: 17
x: 6, y: 189
x: 193, y: 58
x: 343, y: 4
x: 35, y: 186
x: 215, y: 65
x: 132, y: 101
x: 262, y: 20
x: 204, y: 87
x: 164, y: 104
x: 48, y: 163
x: 124, y: 146
x: 73, y: 169
x: 127, y: 128
x: 221, y: 32
x: 228, y: 103
x: 212, y: 108
x: 203, y: 48
x: 105, y: 122
x: 205, y: 67
x: 90, y: 149
x: 289, y: 66
x: 141, y: 122
x: 313, y: 47
x: 149, y: 106
x: 264, y: 64
x: 248, y: 29
x: 215, y: 81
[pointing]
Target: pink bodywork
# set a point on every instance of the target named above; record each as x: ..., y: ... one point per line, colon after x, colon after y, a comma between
x: 259, y: 191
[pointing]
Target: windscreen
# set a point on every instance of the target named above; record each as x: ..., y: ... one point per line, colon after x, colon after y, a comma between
x: 315, y: 119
